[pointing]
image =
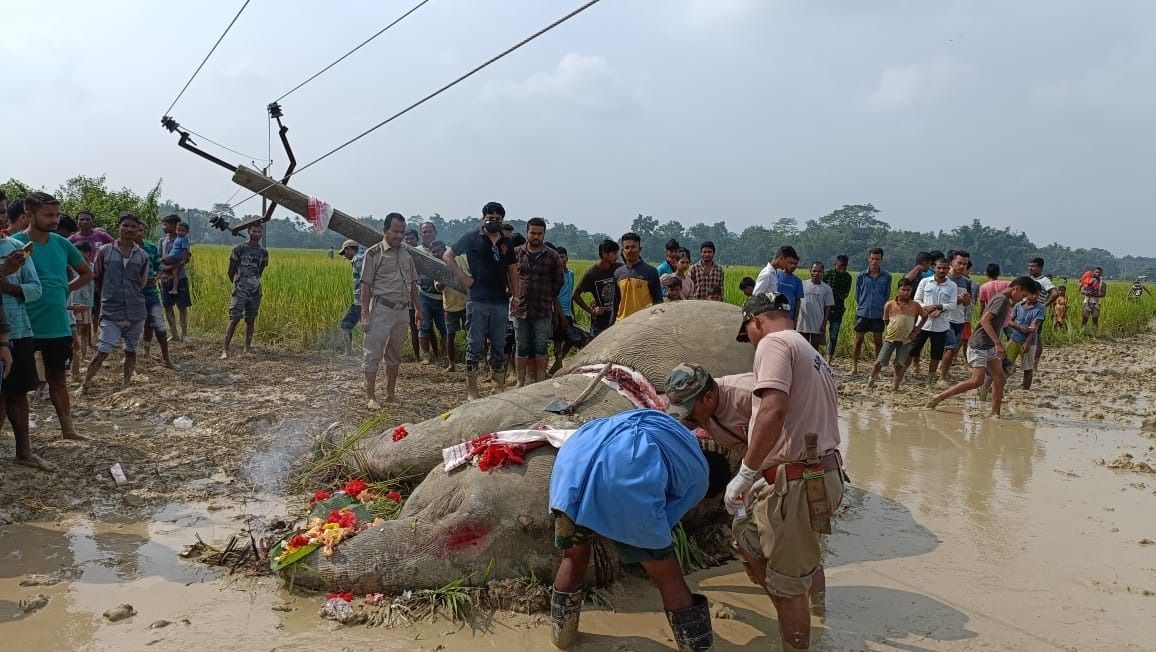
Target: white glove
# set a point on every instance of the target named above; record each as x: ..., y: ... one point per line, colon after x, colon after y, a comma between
x: 738, y: 489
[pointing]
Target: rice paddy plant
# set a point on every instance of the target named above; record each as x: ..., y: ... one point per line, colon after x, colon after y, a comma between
x: 690, y: 556
x: 331, y: 460
x: 306, y: 294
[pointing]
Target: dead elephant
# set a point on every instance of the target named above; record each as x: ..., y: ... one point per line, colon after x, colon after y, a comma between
x: 478, y: 525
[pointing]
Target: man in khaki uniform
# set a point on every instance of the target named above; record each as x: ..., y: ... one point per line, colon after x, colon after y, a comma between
x: 720, y: 406
x: 779, y: 513
x: 388, y: 290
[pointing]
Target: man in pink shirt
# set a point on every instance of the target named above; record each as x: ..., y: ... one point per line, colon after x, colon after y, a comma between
x: 992, y: 287
x: 777, y: 528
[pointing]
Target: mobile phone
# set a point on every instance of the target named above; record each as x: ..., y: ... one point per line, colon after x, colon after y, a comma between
x: 27, y: 248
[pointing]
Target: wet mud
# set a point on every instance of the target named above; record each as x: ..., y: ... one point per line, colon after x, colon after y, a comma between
x: 959, y: 532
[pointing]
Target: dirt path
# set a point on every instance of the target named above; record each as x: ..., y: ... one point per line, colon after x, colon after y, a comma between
x: 960, y: 532
x: 253, y: 417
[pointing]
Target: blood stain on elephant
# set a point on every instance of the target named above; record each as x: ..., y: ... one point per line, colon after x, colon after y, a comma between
x: 466, y: 536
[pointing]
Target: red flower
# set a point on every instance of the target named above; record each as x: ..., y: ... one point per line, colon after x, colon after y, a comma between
x: 342, y: 518
x: 394, y: 496
x: 354, y: 488
x: 320, y: 496
x: 298, y: 541
x: 400, y: 433
x: 347, y: 596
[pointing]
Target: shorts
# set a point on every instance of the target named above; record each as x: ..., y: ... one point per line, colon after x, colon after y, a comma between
x: 978, y: 358
x: 384, y: 337
x: 777, y: 528
x: 938, y: 340
x: 155, y: 314
x: 899, y: 349
x: 82, y: 316
x: 954, y: 337
x: 23, y: 377
x: 456, y: 321
x: 568, y: 534
x: 352, y: 317
x: 532, y: 336
x: 56, y: 352
x: 815, y: 339
x: 111, y: 333
x: 245, y: 304
x: 1092, y: 308
x: 181, y: 299
x: 869, y: 325
x: 1028, y: 359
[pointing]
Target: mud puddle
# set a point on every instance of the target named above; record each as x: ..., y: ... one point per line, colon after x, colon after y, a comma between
x: 960, y: 533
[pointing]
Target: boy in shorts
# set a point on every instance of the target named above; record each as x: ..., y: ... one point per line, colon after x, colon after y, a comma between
x: 904, y: 318
x: 80, y: 303
x: 1027, y: 320
x: 985, y: 351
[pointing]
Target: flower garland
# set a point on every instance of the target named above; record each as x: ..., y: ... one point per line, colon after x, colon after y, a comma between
x: 341, y: 523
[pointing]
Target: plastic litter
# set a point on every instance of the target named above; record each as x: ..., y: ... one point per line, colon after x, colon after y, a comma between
x: 118, y: 474
x: 184, y: 423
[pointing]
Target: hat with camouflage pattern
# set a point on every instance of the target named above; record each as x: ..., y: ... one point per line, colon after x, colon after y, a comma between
x: 684, y: 384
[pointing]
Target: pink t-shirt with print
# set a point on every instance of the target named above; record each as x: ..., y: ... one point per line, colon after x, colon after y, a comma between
x: 787, y: 362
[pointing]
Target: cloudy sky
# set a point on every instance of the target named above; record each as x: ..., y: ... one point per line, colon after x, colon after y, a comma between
x: 1040, y: 114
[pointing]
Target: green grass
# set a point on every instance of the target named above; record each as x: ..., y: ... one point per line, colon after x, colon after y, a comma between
x: 306, y: 294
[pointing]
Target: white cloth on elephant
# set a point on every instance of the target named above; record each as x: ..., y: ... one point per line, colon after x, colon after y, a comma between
x: 459, y: 455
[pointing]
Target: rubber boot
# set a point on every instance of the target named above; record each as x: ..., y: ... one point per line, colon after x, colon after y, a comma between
x: 499, y: 381
x: 691, y: 626
x: 471, y: 385
x: 565, y: 608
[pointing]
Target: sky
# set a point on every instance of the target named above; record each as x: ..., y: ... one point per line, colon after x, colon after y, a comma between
x: 1035, y: 114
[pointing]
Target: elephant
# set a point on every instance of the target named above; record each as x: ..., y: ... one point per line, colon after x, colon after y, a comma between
x: 494, y: 525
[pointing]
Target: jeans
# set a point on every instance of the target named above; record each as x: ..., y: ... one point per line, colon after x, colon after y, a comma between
x: 533, y: 336
x: 487, y: 323
x: 833, y: 333
x: 432, y: 315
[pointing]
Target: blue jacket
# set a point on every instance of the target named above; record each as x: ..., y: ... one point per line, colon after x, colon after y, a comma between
x: 630, y: 477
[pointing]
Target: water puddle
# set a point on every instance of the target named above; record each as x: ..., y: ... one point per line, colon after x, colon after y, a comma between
x: 959, y: 534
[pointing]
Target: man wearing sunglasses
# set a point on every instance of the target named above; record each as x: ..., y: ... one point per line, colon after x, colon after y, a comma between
x: 492, y: 280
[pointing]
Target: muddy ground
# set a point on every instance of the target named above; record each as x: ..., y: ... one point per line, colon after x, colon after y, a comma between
x: 960, y: 532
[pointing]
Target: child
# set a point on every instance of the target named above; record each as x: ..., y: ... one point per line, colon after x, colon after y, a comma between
x: 80, y: 306
x: 747, y: 286
x: 1027, y: 320
x: 904, y: 318
x: 175, y: 260
x: 715, y: 294
x: 673, y: 286
x: 1060, y: 308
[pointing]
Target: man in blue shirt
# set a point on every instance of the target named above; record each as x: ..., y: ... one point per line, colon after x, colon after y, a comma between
x: 791, y: 286
x: 630, y: 478
x: 19, y: 285
x: 872, y: 290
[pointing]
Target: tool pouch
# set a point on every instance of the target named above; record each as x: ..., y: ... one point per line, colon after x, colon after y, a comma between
x: 815, y: 483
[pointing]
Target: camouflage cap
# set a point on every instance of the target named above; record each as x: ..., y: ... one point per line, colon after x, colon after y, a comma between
x: 757, y: 305
x: 683, y: 386
x: 349, y: 243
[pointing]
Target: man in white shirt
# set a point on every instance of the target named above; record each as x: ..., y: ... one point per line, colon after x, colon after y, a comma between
x: 937, y: 294
x: 768, y: 278
x: 1047, y: 296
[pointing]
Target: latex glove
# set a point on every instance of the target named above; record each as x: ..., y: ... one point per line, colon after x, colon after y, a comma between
x: 738, y: 489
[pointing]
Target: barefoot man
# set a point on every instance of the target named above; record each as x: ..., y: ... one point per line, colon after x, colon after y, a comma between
x: 388, y: 291
x: 246, y: 265
x: 19, y: 284
x: 121, y: 273
x: 53, y: 255
x: 985, y: 352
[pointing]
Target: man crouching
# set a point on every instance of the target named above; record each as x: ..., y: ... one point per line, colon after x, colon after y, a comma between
x: 630, y: 478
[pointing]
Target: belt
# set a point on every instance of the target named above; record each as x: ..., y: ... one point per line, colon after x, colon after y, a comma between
x: 829, y: 462
x: 391, y: 304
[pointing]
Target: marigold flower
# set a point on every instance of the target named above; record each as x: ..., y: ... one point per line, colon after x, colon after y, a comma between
x: 320, y: 496
x: 298, y: 541
x: 400, y: 433
x: 393, y: 496
x: 342, y: 517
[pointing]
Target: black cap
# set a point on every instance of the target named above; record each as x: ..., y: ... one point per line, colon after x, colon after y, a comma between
x: 757, y: 305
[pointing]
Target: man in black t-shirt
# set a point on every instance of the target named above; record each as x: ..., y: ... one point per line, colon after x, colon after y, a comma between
x: 599, y: 281
x: 492, y: 280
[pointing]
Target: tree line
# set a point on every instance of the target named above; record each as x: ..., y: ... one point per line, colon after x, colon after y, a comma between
x: 851, y: 230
